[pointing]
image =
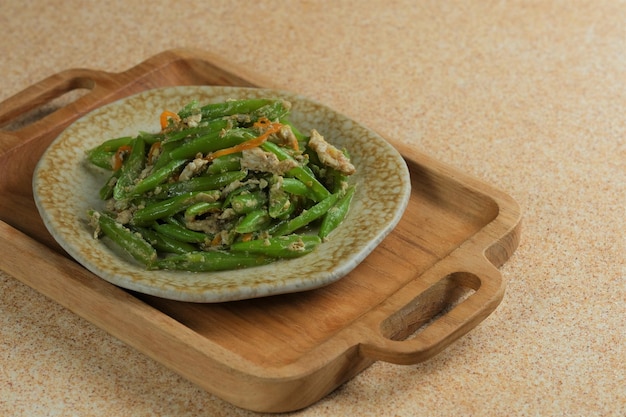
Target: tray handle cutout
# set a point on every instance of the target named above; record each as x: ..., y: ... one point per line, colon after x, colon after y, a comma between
x: 50, y: 103
x: 435, y: 318
x: 46, y: 96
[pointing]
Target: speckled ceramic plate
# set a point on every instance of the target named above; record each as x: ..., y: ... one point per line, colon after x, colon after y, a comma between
x: 66, y: 187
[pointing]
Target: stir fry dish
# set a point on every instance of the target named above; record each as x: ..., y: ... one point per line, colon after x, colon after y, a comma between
x: 221, y: 186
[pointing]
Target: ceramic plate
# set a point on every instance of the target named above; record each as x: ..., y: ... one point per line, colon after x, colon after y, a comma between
x: 66, y: 186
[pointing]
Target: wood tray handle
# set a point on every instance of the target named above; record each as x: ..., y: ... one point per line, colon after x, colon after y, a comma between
x: 412, y: 319
x: 22, y: 106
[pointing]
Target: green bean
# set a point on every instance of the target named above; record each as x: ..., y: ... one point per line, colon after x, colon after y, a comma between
x: 103, y: 154
x: 211, y: 261
x: 289, y: 209
x: 193, y: 132
x: 214, y: 139
x: 102, y: 159
x: 297, y: 187
x: 203, y: 183
x: 299, y: 172
x: 279, y: 206
x: 279, y: 201
x: 236, y: 191
x: 246, y: 202
x: 106, y: 191
x: 273, y: 111
x: 112, y: 145
x: 336, y: 213
x: 211, y: 143
x: 132, y: 243
x: 164, y: 154
x: 164, y: 243
x: 291, y: 246
x: 176, y: 219
x: 306, y: 217
x: 169, y: 207
x: 130, y: 169
x: 201, y: 208
x: 157, y: 177
x: 205, y: 144
x: 189, y: 109
x: 181, y: 234
x: 227, y: 108
x: 231, y: 107
x: 225, y: 163
x: 253, y: 221
x: 151, y: 138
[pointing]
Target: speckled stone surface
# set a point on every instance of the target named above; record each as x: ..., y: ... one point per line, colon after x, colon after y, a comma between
x: 527, y: 96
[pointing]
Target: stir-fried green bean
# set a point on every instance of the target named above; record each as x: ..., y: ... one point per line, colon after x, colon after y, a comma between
x: 279, y: 200
x: 130, y: 170
x: 244, y: 203
x: 233, y: 107
x: 253, y: 221
x: 335, y: 215
x: 202, y: 183
x: 292, y: 246
x: 225, y: 163
x: 156, y: 178
x: 205, y: 261
x: 300, y: 172
x: 306, y: 217
x: 171, y: 206
x: 106, y: 191
x: 133, y: 243
x: 180, y: 233
x: 163, y: 243
x: 221, y: 186
x: 203, y: 207
x: 210, y: 142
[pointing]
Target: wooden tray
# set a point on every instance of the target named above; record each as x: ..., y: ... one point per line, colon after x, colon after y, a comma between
x: 430, y: 281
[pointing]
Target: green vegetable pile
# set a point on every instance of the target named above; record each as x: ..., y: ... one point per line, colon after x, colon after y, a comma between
x: 221, y: 186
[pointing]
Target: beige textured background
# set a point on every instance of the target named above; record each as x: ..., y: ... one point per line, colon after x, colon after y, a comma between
x: 529, y: 96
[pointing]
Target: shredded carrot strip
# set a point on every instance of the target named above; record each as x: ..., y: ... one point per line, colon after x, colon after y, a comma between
x: 247, y: 237
x: 154, y: 149
x: 263, y: 122
x: 165, y: 116
x: 119, y: 156
x: 249, y: 144
x: 216, y: 240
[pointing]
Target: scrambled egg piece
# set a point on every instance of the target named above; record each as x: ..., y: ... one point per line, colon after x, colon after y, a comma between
x: 192, y: 169
x: 330, y: 155
x: 256, y: 159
